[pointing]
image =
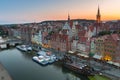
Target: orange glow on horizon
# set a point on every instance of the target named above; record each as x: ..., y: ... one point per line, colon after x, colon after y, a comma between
x: 76, y: 15
x: 103, y: 18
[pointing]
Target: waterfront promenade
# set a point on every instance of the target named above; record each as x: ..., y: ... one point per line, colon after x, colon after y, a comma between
x: 4, y: 74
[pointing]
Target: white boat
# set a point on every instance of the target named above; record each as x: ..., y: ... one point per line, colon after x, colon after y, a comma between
x: 51, y: 60
x: 43, y: 53
x: 44, y: 60
x: 53, y: 57
x: 29, y: 48
x: 41, y: 60
x: 22, y: 48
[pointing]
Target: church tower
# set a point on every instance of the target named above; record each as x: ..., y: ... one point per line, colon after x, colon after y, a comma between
x: 68, y: 19
x: 98, y: 16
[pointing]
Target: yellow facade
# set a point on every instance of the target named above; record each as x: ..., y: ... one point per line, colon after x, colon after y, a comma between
x: 100, y: 46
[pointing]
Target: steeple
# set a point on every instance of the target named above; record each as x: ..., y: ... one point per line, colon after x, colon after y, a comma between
x: 68, y: 18
x: 98, y: 17
x: 98, y: 11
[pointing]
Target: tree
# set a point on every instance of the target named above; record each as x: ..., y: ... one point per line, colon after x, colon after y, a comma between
x: 14, y: 26
x: 51, y: 32
x: 104, y: 33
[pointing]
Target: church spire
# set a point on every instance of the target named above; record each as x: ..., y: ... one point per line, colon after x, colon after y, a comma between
x: 98, y: 17
x: 98, y: 11
x: 68, y: 18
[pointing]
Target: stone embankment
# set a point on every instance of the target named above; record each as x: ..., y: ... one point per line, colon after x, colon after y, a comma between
x: 4, y: 75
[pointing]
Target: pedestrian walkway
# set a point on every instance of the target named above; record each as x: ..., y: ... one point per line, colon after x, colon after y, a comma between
x: 110, y: 71
x: 4, y: 74
x: 113, y: 73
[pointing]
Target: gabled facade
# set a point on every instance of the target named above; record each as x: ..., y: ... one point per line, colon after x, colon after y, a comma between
x: 74, y: 44
x: 83, y: 45
x: 100, y: 45
x: 60, y: 42
x: 67, y: 30
x: 37, y: 38
x: 92, y: 46
x: 112, y: 47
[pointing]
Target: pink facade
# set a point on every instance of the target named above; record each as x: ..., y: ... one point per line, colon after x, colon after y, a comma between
x: 60, y: 42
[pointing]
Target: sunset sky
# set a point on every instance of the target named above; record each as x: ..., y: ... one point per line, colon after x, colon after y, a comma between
x: 22, y: 11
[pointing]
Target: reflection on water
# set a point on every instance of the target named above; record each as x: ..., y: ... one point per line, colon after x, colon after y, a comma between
x: 21, y: 67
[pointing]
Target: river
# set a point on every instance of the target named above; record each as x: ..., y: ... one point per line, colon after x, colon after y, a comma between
x: 21, y: 67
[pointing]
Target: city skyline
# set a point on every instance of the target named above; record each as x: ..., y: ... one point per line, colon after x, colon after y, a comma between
x: 14, y: 11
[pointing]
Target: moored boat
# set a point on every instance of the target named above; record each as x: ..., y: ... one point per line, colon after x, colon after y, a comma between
x: 22, y: 48
x: 79, y: 68
x: 43, y: 58
x: 40, y: 60
x: 29, y: 48
x: 44, y: 62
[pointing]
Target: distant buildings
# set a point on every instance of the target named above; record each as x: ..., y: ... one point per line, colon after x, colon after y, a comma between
x: 3, y: 31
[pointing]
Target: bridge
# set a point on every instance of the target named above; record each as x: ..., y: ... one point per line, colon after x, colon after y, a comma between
x: 13, y: 42
x: 10, y: 42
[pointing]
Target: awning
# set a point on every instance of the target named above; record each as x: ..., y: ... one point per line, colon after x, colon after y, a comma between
x: 116, y: 64
x: 110, y: 62
x: 97, y: 56
x: 83, y: 55
x: 70, y: 52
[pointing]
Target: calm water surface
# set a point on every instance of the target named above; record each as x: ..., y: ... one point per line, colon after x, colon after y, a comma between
x: 21, y: 67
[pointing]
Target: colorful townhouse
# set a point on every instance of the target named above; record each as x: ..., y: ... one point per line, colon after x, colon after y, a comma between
x: 112, y: 48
